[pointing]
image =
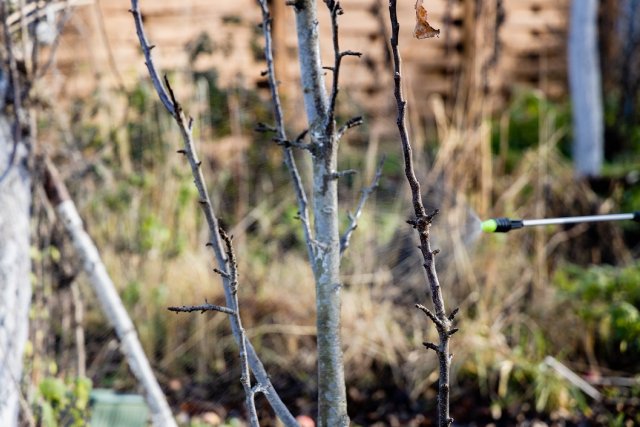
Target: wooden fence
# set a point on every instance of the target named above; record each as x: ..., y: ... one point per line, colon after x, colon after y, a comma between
x: 485, y: 47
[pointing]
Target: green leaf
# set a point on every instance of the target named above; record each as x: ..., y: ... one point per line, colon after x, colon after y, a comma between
x: 53, y: 390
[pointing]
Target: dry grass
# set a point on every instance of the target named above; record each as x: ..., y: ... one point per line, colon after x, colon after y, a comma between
x: 152, y: 244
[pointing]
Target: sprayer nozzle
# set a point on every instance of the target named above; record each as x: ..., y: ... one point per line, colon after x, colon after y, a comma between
x: 489, y: 226
x: 500, y: 225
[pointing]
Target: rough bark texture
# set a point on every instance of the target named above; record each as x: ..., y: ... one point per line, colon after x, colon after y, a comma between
x: 332, y: 402
x: 15, y: 270
x: 586, y: 89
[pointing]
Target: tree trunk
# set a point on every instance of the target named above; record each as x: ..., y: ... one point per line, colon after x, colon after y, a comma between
x: 15, y: 270
x: 586, y: 89
x: 332, y: 402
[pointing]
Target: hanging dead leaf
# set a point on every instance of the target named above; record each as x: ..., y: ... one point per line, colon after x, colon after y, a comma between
x: 423, y: 30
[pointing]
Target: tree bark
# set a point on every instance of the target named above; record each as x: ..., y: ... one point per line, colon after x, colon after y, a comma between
x: 15, y: 270
x: 586, y: 89
x: 332, y: 401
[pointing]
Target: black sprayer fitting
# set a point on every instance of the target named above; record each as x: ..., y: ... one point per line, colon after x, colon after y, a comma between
x: 506, y: 224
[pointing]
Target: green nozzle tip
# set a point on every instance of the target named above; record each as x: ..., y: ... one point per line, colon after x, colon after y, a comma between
x: 489, y: 226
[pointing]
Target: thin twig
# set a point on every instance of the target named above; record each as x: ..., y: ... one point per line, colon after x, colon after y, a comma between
x: 289, y: 160
x: 146, y: 51
x: 353, y: 219
x: 351, y: 123
x: 263, y: 127
x: 53, y: 49
x: 335, y: 9
x: 295, y: 144
x: 422, y: 224
x: 573, y: 378
x: 430, y: 315
x: 107, y: 45
x: 215, y: 242
x: 342, y: 174
x: 245, y: 377
x: 201, y: 308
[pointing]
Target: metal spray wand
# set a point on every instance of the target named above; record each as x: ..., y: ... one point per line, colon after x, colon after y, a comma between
x: 503, y: 225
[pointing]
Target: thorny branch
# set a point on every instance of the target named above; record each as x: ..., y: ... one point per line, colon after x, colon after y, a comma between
x: 289, y: 160
x: 245, y: 377
x: 422, y: 224
x: 223, y: 260
x: 353, y: 218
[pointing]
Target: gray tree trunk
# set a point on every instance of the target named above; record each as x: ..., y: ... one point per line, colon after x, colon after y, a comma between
x: 586, y: 89
x: 332, y: 401
x: 15, y: 271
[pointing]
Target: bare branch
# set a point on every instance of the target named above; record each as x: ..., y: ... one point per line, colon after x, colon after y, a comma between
x: 294, y: 144
x: 350, y: 53
x: 107, y: 295
x: 351, y: 123
x: 335, y: 9
x: 422, y: 224
x: 146, y: 51
x: 221, y: 273
x: 302, y: 135
x: 169, y: 101
x: 353, y: 219
x: 233, y: 264
x: 431, y: 316
x: 431, y: 346
x: 261, y: 127
x: 289, y: 161
x: 201, y: 308
x: 341, y: 174
x: 245, y: 377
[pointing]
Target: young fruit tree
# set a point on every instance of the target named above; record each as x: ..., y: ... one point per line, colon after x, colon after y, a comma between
x: 318, y: 213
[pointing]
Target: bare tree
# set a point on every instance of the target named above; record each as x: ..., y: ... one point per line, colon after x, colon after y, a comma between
x: 323, y: 145
x: 325, y: 245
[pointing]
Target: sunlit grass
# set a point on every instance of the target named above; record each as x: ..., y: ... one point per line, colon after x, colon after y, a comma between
x: 138, y: 204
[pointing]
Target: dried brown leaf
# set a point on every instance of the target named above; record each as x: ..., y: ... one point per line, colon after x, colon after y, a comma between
x: 423, y: 30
